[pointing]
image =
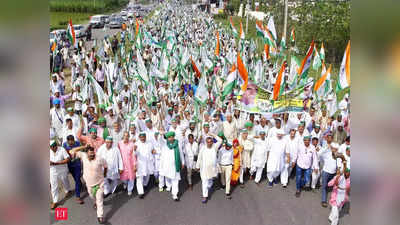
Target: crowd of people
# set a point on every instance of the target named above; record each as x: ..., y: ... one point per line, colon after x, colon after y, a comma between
x: 119, y: 126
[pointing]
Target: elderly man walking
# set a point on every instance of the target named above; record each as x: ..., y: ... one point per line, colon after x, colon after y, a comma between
x: 171, y: 162
x: 58, y: 171
x: 115, y: 165
x: 207, y: 163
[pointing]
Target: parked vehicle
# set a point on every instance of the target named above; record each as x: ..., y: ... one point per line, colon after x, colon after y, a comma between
x: 115, y: 22
x: 106, y: 19
x: 79, y: 31
x: 58, y: 35
x: 96, y: 21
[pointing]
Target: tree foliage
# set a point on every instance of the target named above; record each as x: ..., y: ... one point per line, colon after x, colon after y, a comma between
x: 323, y: 21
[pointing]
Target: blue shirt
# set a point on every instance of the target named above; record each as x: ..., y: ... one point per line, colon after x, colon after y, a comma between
x: 67, y: 147
x: 75, y: 162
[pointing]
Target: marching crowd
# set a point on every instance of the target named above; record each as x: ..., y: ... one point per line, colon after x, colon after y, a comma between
x: 157, y: 129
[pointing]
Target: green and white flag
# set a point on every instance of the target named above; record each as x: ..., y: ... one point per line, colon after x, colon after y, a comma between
x: 271, y: 28
x: 202, y: 92
x: 164, y: 66
x: 139, y: 44
x: 293, y: 75
x: 141, y: 68
x: 101, y: 97
x: 322, y: 52
x: 283, y: 43
x: 317, y: 60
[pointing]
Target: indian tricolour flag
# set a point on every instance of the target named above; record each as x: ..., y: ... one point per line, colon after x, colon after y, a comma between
x: 230, y: 82
x: 344, y: 74
x: 322, y: 86
x: 305, y: 65
x: 259, y: 29
x: 242, y: 71
x: 241, y: 31
x: 269, y: 38
x: 234, y: 31
x: 292, y: 36
x: 279, y: 81
x: 71, y: 33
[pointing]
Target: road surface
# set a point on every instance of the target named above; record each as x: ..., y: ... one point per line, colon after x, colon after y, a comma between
x: 252, y: 205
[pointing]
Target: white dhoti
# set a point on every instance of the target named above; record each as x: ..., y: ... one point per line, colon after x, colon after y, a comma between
x: 286, y: 171
x: 315, y: 178
x: 54, y: 178
x: 141, y: 181
x: 110, y: 185
x: 258, y: 171
x: 272, y: 175
x: 206, y: 184
x: 246, y: 159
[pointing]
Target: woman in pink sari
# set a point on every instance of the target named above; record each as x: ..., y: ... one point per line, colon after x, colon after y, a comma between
x: 126, y: 147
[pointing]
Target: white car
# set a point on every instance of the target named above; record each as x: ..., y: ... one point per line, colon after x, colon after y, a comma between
x: 57, y: 35
x: 79, y: 31
x: 97, y: 21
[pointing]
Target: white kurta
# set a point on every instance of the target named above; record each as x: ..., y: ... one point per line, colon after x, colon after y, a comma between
x: 158, y: 144
x: 190, y: 151
x: 230, y: 130
x: 276, y: 157
x: 57, y: 120
x: 207, y: 161
x: 167, y: 163
x: 114, y: 161
x: 259, y: 157
x: 291, y: 147
x: 248, y: 147
x: 144, y: 158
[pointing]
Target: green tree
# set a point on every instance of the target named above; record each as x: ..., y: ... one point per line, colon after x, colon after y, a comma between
x: 323, y: 21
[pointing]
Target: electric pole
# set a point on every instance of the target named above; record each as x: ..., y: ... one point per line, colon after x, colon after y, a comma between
x: 285, y: 22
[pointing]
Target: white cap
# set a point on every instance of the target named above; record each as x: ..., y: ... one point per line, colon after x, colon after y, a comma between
x: 52, y: 142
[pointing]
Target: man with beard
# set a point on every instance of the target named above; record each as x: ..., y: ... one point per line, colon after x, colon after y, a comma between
x: 171, y: 162
x: 94, y: 171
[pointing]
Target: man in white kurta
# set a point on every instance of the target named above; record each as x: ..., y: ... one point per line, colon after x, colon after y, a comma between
x: 169, y: 160
x: 115, y: 165
x: 191, y: 150
x: 276, y: 155
x: 259, y: 157
x: 290, y: 160
x: 58, y: 171
x: 248, y: 147
x: 158, y: 142
x: 229, y: 128
x: 145, y: 164
x: 57, y: 117
x: 207, y: 163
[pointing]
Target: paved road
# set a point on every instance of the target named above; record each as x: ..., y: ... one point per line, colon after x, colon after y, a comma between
x: 252, y: 205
